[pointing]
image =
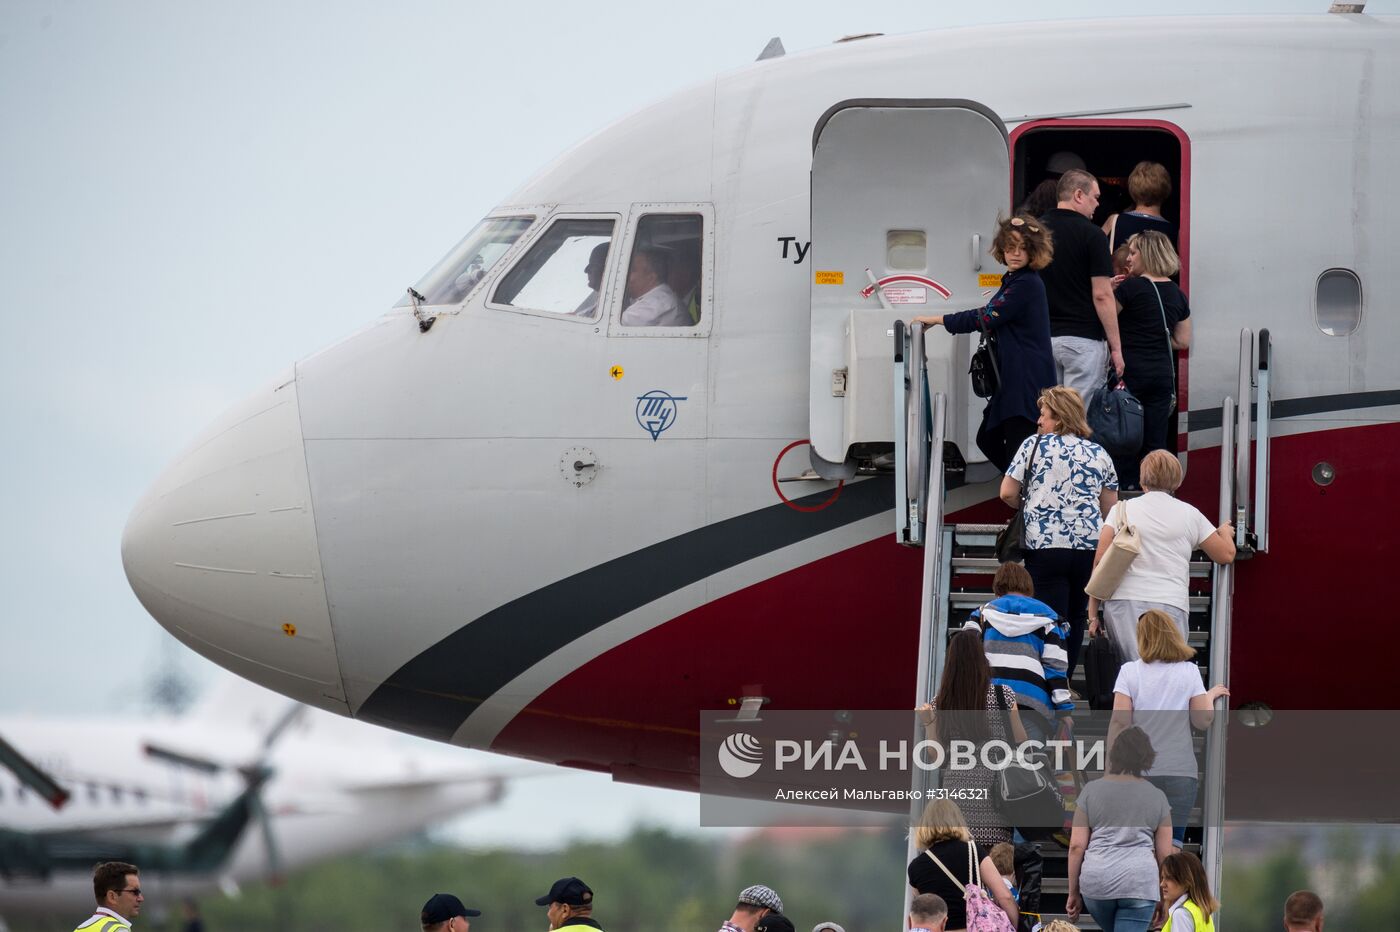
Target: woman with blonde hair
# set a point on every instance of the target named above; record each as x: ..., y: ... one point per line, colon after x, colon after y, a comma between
x: 1069, y: 486
x: 946, y: 847
x: 1169, y: 531
x: 1154, y: 321
x: 1163, y: 692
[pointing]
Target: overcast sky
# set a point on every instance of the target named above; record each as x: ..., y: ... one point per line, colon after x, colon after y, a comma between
x: 194, y: 195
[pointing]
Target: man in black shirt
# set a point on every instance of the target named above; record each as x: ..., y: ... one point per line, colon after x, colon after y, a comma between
x: 1079, y: 288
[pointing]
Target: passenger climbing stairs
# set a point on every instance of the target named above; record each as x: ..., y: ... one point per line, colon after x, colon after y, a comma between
x: 960, y: 560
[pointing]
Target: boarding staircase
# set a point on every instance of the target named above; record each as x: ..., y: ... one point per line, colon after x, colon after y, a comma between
x: 959, y: 561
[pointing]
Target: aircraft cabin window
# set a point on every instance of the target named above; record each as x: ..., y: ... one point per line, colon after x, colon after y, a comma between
x: 458, y: 272
x: 663, y: 276
x: 906, y: 250
x: 1337, y: 307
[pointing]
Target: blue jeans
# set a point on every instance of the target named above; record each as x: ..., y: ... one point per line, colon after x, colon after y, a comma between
x: 1181, y: 796
x: 1124, y: 915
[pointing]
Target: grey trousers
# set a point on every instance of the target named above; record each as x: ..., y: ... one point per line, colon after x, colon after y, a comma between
x: 1080, y: 363
x: 1121, y: 617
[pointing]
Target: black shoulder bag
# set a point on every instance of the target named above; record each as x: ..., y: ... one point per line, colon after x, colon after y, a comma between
x: 1171, y: 356
x: 1027, y: 798
x: 1011, y: 540
x: 986, y: 376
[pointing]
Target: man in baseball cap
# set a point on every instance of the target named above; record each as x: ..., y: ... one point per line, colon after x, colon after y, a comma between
x: 754, y: 903
x: 569, y: 905
x: 445, y: 913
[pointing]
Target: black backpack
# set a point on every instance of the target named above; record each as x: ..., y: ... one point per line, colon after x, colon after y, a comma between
x: 1100, y: 672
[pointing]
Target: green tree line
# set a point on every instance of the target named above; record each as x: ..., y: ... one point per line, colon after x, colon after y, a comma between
x: 655, y: 879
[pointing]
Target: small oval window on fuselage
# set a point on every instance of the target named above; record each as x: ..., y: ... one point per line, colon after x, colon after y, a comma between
x: 1337, y: 305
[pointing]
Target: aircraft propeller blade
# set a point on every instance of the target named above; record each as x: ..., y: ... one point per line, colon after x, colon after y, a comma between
x: 194, y: 762
x: 32, y: 776
x: 274, y: 858
x: 293, y: 712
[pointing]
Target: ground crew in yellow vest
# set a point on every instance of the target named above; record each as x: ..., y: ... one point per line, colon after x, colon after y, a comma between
x: 117, y: 887
x: 570, y: 905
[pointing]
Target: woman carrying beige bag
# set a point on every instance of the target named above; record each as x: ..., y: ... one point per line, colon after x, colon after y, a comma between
x: 1168, y: 532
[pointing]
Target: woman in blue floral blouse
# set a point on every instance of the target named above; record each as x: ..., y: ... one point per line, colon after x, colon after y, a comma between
x: 1072, y: 487
x: 1020, y: 317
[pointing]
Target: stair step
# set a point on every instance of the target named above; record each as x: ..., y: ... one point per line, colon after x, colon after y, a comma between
x: 1196, y: 639
x: 1199, y: 603
x: 969, y: 564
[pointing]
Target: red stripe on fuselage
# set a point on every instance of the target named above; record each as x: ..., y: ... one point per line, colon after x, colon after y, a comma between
x: 842, y: 632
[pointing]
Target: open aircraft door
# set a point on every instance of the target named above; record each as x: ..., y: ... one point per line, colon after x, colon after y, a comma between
x: 910, y: 190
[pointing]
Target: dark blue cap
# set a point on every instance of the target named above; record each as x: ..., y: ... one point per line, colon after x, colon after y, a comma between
x: 442, y: 907
x: 570, y: 891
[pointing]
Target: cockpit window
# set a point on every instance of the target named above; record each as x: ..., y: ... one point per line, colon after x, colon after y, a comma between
x: 563, y: 271
x: 449, y: 281
x: 663, y: 278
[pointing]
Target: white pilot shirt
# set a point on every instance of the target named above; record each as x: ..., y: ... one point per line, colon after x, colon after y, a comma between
x: 659, y: 307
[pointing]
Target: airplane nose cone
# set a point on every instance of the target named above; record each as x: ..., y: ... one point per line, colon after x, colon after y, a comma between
x: 222, y: 552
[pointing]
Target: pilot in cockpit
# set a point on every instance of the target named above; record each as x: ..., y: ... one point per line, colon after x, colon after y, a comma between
x: 684, y: 279
x: 649, y: 301
x: 597, y: 261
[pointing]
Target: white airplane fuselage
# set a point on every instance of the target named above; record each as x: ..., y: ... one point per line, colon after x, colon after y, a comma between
x: 332, y: 793
x: 391, y: 530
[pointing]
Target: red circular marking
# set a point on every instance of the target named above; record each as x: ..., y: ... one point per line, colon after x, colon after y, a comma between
x: 835, y: 493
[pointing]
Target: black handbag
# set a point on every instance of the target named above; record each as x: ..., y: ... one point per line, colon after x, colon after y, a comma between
x: 986, y: 377
x: 1027, y: 798
x: 1101, y: 666
x: 1011, y: 540
x: 1115, y: 418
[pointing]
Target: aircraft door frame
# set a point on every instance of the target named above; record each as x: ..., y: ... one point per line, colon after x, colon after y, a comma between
x: 934, y: 170
x: 1183, y: 198
x: 618, y: 279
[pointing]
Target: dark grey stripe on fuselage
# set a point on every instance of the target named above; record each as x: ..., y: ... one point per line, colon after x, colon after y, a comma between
x: 435, y: 692
x: 1209, y: 418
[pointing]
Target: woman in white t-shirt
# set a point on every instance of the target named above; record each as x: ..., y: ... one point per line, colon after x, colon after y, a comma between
x: 1163, y: 693
x: 1170, y: 531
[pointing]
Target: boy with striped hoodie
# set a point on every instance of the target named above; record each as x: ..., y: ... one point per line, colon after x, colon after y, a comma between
x: 1026, y: 650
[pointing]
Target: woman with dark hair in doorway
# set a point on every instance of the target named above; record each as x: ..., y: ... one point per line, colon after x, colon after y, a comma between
x: 1019, y: 315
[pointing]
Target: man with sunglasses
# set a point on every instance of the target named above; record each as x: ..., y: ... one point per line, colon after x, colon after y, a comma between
x: 117, y: 887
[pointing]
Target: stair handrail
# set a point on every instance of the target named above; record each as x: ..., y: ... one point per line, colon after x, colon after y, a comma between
x: 1243, y: 411
x: 1263, y: 431
x: 931, y: 615
x: 933, y: 622
x: 1222, y: 597
x: 902, y: 513
x: 921, y: 424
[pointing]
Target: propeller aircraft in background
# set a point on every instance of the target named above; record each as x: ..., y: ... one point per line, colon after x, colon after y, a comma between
x: 246, y: 787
